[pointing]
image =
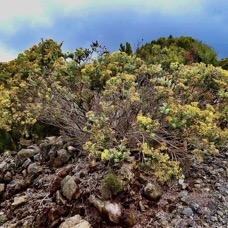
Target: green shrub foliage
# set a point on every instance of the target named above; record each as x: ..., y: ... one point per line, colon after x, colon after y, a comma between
x: 182, y: 49
x: 117, y: 104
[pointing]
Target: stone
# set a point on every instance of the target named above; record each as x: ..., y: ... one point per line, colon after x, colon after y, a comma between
x: 56, y: 184
x: 37, y: 157
x: 183, y: 193
x: 60, y: 199
x: 26, y: 163
x: 194, y: 206
x: 34, y: 169
x: 2, y: 188
x: 181, y: 181
x: 126, y: 174
x: 18, y: 201
x: 152, y: 191
x: 97, y: 203
x: 3, y: 166
x: 23, y: 154
x: 8, y: 176
x: 3, y: 217
x: 69, y: 187
x: 71, y: 149
x: 75, y: 222
x: 114, y: 211
x: 187, y: 211
x: 214, y: 219
x: 63, y: 156
x: 130, y: 218
x: 64, y: 171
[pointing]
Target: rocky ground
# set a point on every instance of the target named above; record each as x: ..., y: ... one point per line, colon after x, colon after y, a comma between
x: 54, y: 185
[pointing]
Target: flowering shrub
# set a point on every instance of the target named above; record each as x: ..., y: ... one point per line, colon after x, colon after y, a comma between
x: 117, y: 105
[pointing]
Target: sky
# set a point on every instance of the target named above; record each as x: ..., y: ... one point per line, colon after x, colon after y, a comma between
x: 78, y: 23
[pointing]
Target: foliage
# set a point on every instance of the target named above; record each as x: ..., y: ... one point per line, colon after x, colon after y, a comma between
x: 223, y: 63
x: 116, y: 104
x: 183, y: 50
x: 126, y: 48
x: 111, y: 185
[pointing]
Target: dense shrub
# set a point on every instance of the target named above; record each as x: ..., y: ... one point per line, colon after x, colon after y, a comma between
x: 116, y: 105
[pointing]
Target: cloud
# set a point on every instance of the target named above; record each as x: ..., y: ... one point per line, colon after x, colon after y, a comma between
x: 6, y: 53
x: 15, y: 14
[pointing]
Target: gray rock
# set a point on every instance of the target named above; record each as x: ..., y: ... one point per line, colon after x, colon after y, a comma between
x: 97, y: 203
x: 37, y: 157
x: 34, y: 169
x: 60, y: 199
x: 2, y: 188
x: 3, y: 217
x: 181, y: 181
x: 75, y: 222
x: 23, y: 154
x: 187, y: 211
x: 152, y: 191
x: 69, y: 187
x: 18, y: 201
x: 214, y: 219
x: 71, y: 149
x: 8, y: 177
x: 63, y: 156
x: 26, y: 163
x: 114, y: 211
x: 183, y: 193
x: 194, y: 206
x: 3, y: 166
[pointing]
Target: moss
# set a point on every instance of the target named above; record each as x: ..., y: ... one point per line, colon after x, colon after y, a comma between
x: 111, y: 185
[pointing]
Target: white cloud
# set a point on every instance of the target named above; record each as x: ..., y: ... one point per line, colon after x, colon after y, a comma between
x: 17, y: 13
x: 6, y: 53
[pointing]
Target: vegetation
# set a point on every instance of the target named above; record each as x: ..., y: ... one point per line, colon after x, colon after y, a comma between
x: 162, y: 106
x: 184, y: 50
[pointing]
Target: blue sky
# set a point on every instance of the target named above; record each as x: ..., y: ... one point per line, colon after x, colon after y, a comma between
x: 79, y: 22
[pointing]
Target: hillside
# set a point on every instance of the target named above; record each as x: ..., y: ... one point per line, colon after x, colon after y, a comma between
x: 120, y: 140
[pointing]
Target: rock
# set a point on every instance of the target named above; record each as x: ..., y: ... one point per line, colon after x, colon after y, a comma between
x: 3, y: 167
x: 214, y: 219
x: 23, y: 154
x: 107, y: 209
x: 37, y: 157
x: 152, y: 191
x: 8, y: 177
x: 183, y: 193
x: 75, y: 222
x: 126, y: 174
x: 3, y: 218
x: 114, y: 211
x: 194, y: 206
x: 181, y: 181
x: 60, y: 199
x: 130, y: 218
x: 2, y: 188
x: 26, y: 163
x: 71, y: 149
x: 64, y: 171
x: 13, y: 185
x: 55, y: 212
x: 56, y: 184
x: 34, y: 169
x: 96, y: 203
x: 69, y: 187
x: 18, y: 201
x: 63, y: 156
x: 187, y: 211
